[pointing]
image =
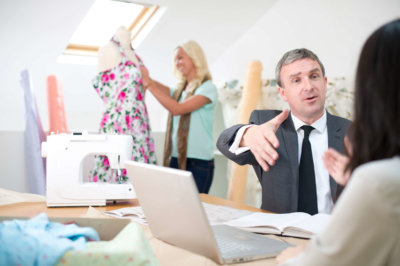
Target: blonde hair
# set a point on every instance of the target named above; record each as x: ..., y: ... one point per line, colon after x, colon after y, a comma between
x: 198, y: 57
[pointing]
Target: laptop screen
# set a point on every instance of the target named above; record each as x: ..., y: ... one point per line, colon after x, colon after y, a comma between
x: 172, y: 206
x: 175, y: 214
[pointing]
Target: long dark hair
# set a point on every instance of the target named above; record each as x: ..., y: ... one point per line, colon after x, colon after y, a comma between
x: 375, y: 133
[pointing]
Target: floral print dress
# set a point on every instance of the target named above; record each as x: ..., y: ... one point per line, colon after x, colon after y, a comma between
x: 121, y: 90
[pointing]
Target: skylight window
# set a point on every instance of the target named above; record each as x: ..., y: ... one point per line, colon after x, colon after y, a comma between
x: 101, y: 22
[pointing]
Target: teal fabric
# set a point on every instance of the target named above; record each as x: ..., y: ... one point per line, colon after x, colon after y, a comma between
x: 38, y: 241
x: 200, y: 140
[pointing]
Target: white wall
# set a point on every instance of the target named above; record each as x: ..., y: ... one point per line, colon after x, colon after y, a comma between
x: 12, y: 161
x: 36, y: 32
x: 334, y: 30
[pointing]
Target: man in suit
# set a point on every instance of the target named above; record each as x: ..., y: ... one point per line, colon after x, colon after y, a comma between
x: 272, y: 142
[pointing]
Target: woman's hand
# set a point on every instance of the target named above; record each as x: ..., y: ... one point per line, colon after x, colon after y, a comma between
x: 336, y: 164
x: 288, y: 254
x: 147, y: 81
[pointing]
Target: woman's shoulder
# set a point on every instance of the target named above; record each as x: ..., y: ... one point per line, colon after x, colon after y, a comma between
x: 208, y: 84
x: 384, y: 176
x: 207, y: 89
x: 389, y: 168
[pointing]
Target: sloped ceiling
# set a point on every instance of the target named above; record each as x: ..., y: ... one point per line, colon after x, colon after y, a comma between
x: 232, y: 32
x: 36, y: 32
x: 214, y: 24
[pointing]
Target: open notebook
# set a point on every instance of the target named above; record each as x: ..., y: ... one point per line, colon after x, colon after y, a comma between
x: 297, y: 224
x: 175, y: 214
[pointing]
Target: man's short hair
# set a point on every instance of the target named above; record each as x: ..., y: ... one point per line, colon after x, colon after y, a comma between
x: 294, y: 55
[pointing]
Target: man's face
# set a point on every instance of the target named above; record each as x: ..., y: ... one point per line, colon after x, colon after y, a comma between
x: 304, y: 88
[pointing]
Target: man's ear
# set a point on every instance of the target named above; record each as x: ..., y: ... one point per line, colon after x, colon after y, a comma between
x: 282, y: 93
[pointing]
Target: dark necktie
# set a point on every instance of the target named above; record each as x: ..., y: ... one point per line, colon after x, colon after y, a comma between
x: 307, y: 189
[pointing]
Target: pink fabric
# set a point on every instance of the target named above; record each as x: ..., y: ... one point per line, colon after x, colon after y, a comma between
x: 55, y: 104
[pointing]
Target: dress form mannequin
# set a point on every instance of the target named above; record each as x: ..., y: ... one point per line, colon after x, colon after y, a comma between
x: 109, y: 54
x: 119, y: 85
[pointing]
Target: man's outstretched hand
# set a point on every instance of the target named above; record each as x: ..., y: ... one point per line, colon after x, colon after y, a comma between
x: 262, y: 141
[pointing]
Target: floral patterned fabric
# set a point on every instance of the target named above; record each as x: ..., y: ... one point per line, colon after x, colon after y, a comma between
x: 121, y: 90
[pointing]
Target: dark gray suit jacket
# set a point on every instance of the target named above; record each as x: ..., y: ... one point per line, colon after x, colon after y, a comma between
x: 280, y: 183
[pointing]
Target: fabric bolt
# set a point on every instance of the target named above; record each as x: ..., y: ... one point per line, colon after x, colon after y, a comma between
x: 39, y: 241
x: 33, y: 136
x: 307, y: 188
x: 121, y: 90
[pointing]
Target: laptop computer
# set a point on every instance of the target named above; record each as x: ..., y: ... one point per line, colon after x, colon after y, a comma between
x: 174, y: 212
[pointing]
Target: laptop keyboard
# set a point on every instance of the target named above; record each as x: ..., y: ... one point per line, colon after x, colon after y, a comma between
x: 228, y: 246
x: 237, y: 245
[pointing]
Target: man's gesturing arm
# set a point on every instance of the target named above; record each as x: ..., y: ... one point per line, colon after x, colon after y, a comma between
x: 262, y: 141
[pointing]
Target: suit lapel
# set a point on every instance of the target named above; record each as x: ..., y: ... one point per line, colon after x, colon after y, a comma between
x: 289, y: 137
x: 335, y: 140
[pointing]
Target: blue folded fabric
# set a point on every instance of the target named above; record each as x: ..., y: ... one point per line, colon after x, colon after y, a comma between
x: 38, y: 241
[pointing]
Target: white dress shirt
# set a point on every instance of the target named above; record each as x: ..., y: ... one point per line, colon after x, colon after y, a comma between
x: 319, y: 144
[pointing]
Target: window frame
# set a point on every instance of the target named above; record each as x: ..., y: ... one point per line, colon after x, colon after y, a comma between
x: 137, y: 25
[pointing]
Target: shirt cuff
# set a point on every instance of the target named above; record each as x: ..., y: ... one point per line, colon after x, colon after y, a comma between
x: 235, y: 145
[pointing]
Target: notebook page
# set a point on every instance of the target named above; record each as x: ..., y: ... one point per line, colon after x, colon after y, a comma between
x: 264, y: 222
x: 134, y: 213
x: 305, y: 228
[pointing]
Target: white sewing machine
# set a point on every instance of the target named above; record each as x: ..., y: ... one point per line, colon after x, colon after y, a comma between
x: 65, y: 157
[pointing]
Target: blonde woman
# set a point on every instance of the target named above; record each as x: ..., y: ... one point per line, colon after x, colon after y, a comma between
x: 191, y: 105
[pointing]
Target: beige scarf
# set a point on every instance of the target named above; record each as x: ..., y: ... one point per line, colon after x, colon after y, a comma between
x: 183, y: 130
